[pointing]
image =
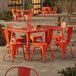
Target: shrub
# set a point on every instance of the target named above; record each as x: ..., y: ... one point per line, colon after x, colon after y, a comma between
x: 47, y: 3
x: 5, y: 15
x: 70, y: 71
x: 2, y: 39
x: 29, y: 4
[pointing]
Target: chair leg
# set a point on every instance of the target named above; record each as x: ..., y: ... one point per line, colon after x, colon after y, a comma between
x: 71, y: 50
x: 53, y: 50
x: 5, y: 53
x: 25, y: 43
x: 30, y: 17
x: 23, y: 52
x: 63, y: 51
x: 12, y: 19
x: 12, y: 49
x: 43, y: 53
x: 51, y: 54
x: 57, y: 46
x: 27, y: 18
x: 41, y: 39
x: 32, y: 52
x: 16, y: 50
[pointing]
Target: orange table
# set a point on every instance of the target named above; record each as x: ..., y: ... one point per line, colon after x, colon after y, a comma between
x: 28, y: 32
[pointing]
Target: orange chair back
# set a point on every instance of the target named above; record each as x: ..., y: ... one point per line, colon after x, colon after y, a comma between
x: 22, y: 71
x: 69, y: 34
x: 32, y: 11
x: 50, y: 36
x: 6, y: 34
x: 13, y: 12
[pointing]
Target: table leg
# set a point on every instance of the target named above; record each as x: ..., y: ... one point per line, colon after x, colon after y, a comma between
x: 22, y: 15
x: 28, y: 46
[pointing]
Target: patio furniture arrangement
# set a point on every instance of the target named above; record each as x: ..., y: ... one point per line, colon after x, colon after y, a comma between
x: 25, y: 14
x: 21, y: 71
x: 47, y: 10
x: 49, y: 32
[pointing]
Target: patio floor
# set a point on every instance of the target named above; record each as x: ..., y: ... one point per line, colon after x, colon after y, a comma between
x: 49, y: 68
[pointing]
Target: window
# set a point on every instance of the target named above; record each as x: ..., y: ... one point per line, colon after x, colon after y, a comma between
x: 36, y: 4
x: 15, y: 4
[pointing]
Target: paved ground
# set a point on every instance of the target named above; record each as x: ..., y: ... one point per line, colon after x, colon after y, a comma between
x: 49, y: 68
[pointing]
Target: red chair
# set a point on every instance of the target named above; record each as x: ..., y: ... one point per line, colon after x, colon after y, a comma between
x: 32, y: 11
x: 39, y: 11
x: 27, y: 14
x: 43, y: 46
x: 21, y: 71
x: 10, y: 25
x: 13, y: 46
x: 58, y: 37
x: 34, y: 37
x: 54, y: 11
x: 63, y: 43
x: 15, y: 15
x: 46, y: 10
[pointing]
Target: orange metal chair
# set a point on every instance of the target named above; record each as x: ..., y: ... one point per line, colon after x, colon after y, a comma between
x: 10, y: 25
x: 54, y: 11
x: 58, y: 37
x: 13, y: 46
x: 34, y: 37
x: 63, y: 43
x: 27, y: 14
x: 39, y: 11
x: 15, y: 14
x: 21, y: 71
x: 46, y: 10
x: 43, y: 45
x: 32, y: 11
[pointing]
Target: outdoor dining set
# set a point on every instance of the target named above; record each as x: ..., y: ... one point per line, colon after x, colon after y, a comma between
x: 27, y: 14
x: 13, y: 42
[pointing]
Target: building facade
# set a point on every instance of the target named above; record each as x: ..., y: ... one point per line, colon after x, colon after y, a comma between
x: 3, y: 6
x: 7, y: 5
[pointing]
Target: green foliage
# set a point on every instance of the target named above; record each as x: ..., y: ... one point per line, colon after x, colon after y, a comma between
x: 70, y: 71
x: 47, y: 3
x: 29, y: 4
x: 5, y: 16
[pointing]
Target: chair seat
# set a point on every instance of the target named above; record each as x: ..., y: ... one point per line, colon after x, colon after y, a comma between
x: 56, y: 37
x: 15, y: 43
x: 20, y: 38
x: 38, y: 36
